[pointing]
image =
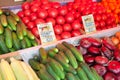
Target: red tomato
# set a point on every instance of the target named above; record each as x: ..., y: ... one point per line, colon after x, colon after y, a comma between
x: 33, y: 16
x: 44, y: 1
x: 69, y: 18
x: 67, y: 27
x: 34, y: 8
x: 46, y: 6
x: 69, y: 8
x: 42, y: 13
x: 58, y: 29
x: 60, y: 20
x: 63, y: 10
x: 55, y: 4
x: 104, y: 17
x: 30, y: 25
x: 26, y: 5
x: 77, y: 15
x: 76, y: 25
x: 76, y: 33
x: 20, y: 14
x: 39, y: 21
x: 35, y: 3
x: 102, y: 24
x: 66, y: 35
x: 52, y: 12
x: 97, y: 17
x: 26, y: 19
x: 35, y: 32
x: 27, y: 12
x: 52, y: 20
x: 58, y: 37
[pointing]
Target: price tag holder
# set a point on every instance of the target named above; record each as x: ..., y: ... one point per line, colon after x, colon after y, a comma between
x: 89, y: 24
x: 46, y: 32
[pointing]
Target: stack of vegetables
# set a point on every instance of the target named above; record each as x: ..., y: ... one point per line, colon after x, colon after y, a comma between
x: 64, y: 62
x: 13, y: 33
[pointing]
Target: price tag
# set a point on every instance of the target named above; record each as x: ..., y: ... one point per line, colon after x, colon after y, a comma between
x: 46, y: 33
x: 18, y: 0
x: 89, y: 24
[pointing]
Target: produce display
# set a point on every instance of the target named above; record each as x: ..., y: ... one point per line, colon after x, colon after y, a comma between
x: 13, y: 33
x: 102, y: 55
x: 66, y: 19
x: 64, y: 62
x: 112, y: 6
x: 16, y: 70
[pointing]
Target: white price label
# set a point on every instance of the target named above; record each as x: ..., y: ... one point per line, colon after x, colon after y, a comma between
x: 89, y: 24
x: 46, y: 33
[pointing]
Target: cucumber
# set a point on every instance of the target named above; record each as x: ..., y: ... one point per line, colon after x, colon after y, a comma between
x: 16, y: 42
x: 70, y: 76
x: 8, y: 38
x: 77, y: 77
x: 1, y: 11
x: 3, y: 46
x: 82, y: 75
x: 1, y: 29
x: 16, y: 17
x: 36, y: 58
x: 57, y: 68
x: 13, y: 20
x: 64, y: 57
x: 87, y: 70
x: 44, y: 75
x: 27, y: 42
x: 3, y: 20
x: 74, y: 50
x: 34, y: 42
x: 34, y: 64
x: 23, y: 43
x: 69, y: 55
x: 19, y: 32
x: 43, y: 54
x: 11, y: 23
x: 24, y: 29
x: 52, y: 52
x: 51, y: 71
x: 70, y: 70
x: 9, y: 27
x: 30, y: 35
x: 59, y: 58
x: 12, y: 49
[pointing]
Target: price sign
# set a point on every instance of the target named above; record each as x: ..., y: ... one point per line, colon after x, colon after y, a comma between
x: 46, y: 33
x: 89, y: 24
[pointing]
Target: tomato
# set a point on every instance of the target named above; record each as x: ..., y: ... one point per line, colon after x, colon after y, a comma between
x: 77, y: 15
x: 67, y: 27
x: 52, y: 12
x: 97, y: 18
x: 27, y: 12
x: 104, y: 17
x: 69, y: 18
x: 46, y: 6
x: 35, y: 32
x: 39, y: 21
x: 44, y: 1
x: 60, y: 20
x: 33, y: 16
x: 97, y: 24
x: 42, y: 13
x: 25, y: 19
x: 66, y: 35
x: 76, y: 25
x: 75, y: 33
x: 26, y: 5
x: 102, y: 24
x: 21, y: 14
x: 58, y: 37
x: 70, y: 3
x: 52, y: 20
x: 63, y: 10
x: 30, y: 25
x: 55, y: 4
x: 34, y: 8
x: 36, y: 3
x: 69, y: 8
x: 58, y: 29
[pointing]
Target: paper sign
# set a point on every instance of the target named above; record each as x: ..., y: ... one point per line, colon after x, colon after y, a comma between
x: 19, y: 0
x: 46, y: 33
x: 89, y: 24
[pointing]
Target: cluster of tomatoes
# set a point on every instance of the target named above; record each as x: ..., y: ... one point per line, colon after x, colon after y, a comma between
x: 66, y: 19
x: 112, y: 6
